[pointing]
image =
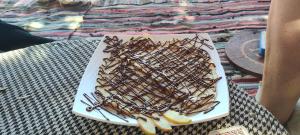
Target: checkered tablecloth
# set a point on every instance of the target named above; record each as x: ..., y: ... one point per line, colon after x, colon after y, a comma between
x: 41, y: 82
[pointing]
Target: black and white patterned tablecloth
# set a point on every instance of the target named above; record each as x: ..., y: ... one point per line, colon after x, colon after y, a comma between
x: 41, y: 82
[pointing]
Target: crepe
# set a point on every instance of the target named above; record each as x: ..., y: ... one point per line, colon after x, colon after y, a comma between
x: 145, y: 79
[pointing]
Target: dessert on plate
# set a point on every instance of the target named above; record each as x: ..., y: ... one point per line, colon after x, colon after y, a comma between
x: 158, y: 83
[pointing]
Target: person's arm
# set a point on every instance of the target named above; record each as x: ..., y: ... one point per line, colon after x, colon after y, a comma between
x: 281, y: 79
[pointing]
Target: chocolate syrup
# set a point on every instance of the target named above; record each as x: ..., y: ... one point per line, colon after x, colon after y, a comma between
x: 145, y: 77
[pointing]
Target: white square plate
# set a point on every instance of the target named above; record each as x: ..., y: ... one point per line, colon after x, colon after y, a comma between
x: 88, y: 82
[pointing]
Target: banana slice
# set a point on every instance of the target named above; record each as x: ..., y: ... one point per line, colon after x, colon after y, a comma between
x: 162, y: 123
x: 176, y: 118
x: 146, y: 125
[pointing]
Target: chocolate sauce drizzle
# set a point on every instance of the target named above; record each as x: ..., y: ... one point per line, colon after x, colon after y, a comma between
x: 145, y: 77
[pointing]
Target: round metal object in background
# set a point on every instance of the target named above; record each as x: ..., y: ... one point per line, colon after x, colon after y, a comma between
x: 242, y: 51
